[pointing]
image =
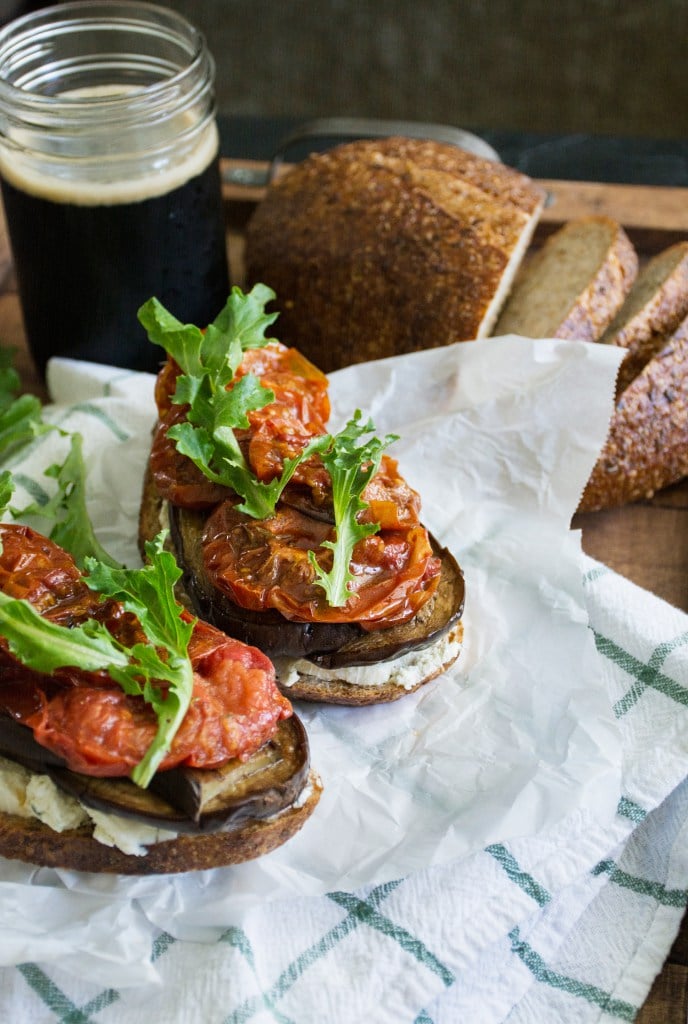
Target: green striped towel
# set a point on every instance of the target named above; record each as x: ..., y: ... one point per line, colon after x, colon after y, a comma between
x: 509, y: 845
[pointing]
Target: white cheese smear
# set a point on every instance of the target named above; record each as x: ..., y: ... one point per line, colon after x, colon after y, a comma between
x: 405, y: 671
x: 36, y: 796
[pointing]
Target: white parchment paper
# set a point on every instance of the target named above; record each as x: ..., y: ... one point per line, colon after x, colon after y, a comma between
x: 499, y: 437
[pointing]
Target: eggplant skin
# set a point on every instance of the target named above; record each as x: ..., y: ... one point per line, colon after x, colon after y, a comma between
x: 182, y: 800
x: 327, y: 645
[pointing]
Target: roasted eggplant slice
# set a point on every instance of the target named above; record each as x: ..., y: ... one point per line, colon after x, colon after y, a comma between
x: 329, y: 645
x: 182, y: 799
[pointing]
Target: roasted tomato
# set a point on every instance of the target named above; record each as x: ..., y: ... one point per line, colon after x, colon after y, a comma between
x: 35, y: 569
x: 264, y: 564
x: 278, y: 431
x: 90, y: 722
x: 297, y: 384
x: 177, y: 479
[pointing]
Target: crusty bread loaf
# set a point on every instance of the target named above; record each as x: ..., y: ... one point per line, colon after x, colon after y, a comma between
x: 653, y: 310
x: 381, y: 247
x: 647, y: 444
x: 31, y: 841
x: 574, y: 285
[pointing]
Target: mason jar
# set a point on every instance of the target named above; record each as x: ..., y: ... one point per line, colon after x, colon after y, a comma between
x: 109, y: 167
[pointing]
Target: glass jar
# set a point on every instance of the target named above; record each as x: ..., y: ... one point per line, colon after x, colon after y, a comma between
x: 109, y: 166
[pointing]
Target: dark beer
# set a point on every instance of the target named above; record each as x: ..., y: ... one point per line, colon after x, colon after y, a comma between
x: 84, y: 270
x: 110, y: 179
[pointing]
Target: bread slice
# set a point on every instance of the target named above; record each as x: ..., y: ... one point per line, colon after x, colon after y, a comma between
x: 32, y: 841
x: 647, y: 444
x: 380, y: 247
x: 574, y: 285
x: 653, y: 310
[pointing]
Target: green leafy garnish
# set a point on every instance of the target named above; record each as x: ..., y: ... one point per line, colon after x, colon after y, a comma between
x: 139, y: 669
x: 351, y: 464
x: 73, y: 529
x: 21, y: 417
x: 6, y: 492
x: 149, y: 594
x: 209, y: 361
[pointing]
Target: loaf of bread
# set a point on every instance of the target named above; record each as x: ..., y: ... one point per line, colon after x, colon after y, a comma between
x: 653, y: 310
x: 647, y: 444
x: 574, y: 285
x: 381, y: 247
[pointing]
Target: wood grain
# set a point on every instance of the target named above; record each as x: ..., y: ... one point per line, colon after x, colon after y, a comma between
x: 647, y: 542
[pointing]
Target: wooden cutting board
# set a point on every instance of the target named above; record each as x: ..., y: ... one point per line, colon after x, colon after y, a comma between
x: 646, y: 542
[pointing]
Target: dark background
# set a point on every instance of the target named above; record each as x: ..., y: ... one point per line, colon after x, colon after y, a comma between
x: 552, y: 66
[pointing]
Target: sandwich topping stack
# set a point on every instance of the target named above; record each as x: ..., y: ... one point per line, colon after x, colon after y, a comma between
x: 117, y: 757
x: 305, y: 543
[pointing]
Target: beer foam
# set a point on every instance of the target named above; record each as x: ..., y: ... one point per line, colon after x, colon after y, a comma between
x: 30, y: 174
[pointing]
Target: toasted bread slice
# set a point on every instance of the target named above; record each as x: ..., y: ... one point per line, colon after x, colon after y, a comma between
x: 647, y: 444
x: 574, y: 285
x: 32, y: 841
x: 653, y: 310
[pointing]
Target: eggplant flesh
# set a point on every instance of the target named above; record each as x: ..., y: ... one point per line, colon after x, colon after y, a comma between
x: 181, y: 799
x: 327, y: 645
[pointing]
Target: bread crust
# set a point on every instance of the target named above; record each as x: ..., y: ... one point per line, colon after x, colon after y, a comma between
x: 30, y: 841
x: 381, y: 247
x: 584, y: 310
x: 653, y: 310
x: 647, y: 443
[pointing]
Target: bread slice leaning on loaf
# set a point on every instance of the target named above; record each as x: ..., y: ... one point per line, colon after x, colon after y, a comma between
x: 647, y: 444
x: 377, y: 248
x: 653, y: 310
x: 574, y: 285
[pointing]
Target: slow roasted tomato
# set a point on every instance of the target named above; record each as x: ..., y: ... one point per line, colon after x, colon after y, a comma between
x: 392, y: 503
x: 88, y: 720
x: 35, y: 569
x: 264, y: 564
x: 278, y: 431
x: 297, y: 384
x: 176, y: 478
x: 234, y: 710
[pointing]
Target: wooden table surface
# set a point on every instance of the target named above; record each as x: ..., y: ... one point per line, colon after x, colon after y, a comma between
x: 646, y: 542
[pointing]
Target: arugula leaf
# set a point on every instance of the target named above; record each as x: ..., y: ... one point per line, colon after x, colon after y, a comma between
x: 209, y: 361
x: 218, y: 350
x: 6, y: 492
x: 148, y: 592
x: 73, y: 529
x: 351, y: 465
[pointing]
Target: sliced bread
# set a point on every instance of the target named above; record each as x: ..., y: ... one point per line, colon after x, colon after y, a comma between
x: 381, y: 247
x: 574, y: 285
x: 647, y: 444
x: 653, y: 310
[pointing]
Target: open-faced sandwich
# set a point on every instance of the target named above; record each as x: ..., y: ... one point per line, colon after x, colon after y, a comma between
x: 134, y: 738
x: 306, y: 544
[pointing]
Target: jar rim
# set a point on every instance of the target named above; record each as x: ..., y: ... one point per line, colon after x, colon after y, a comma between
x: 105, y: 15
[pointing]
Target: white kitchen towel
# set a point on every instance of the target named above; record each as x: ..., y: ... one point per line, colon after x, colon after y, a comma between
x: 564, y: 911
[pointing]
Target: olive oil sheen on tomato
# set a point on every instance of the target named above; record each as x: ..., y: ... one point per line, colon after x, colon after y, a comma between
x: 84, y: 268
